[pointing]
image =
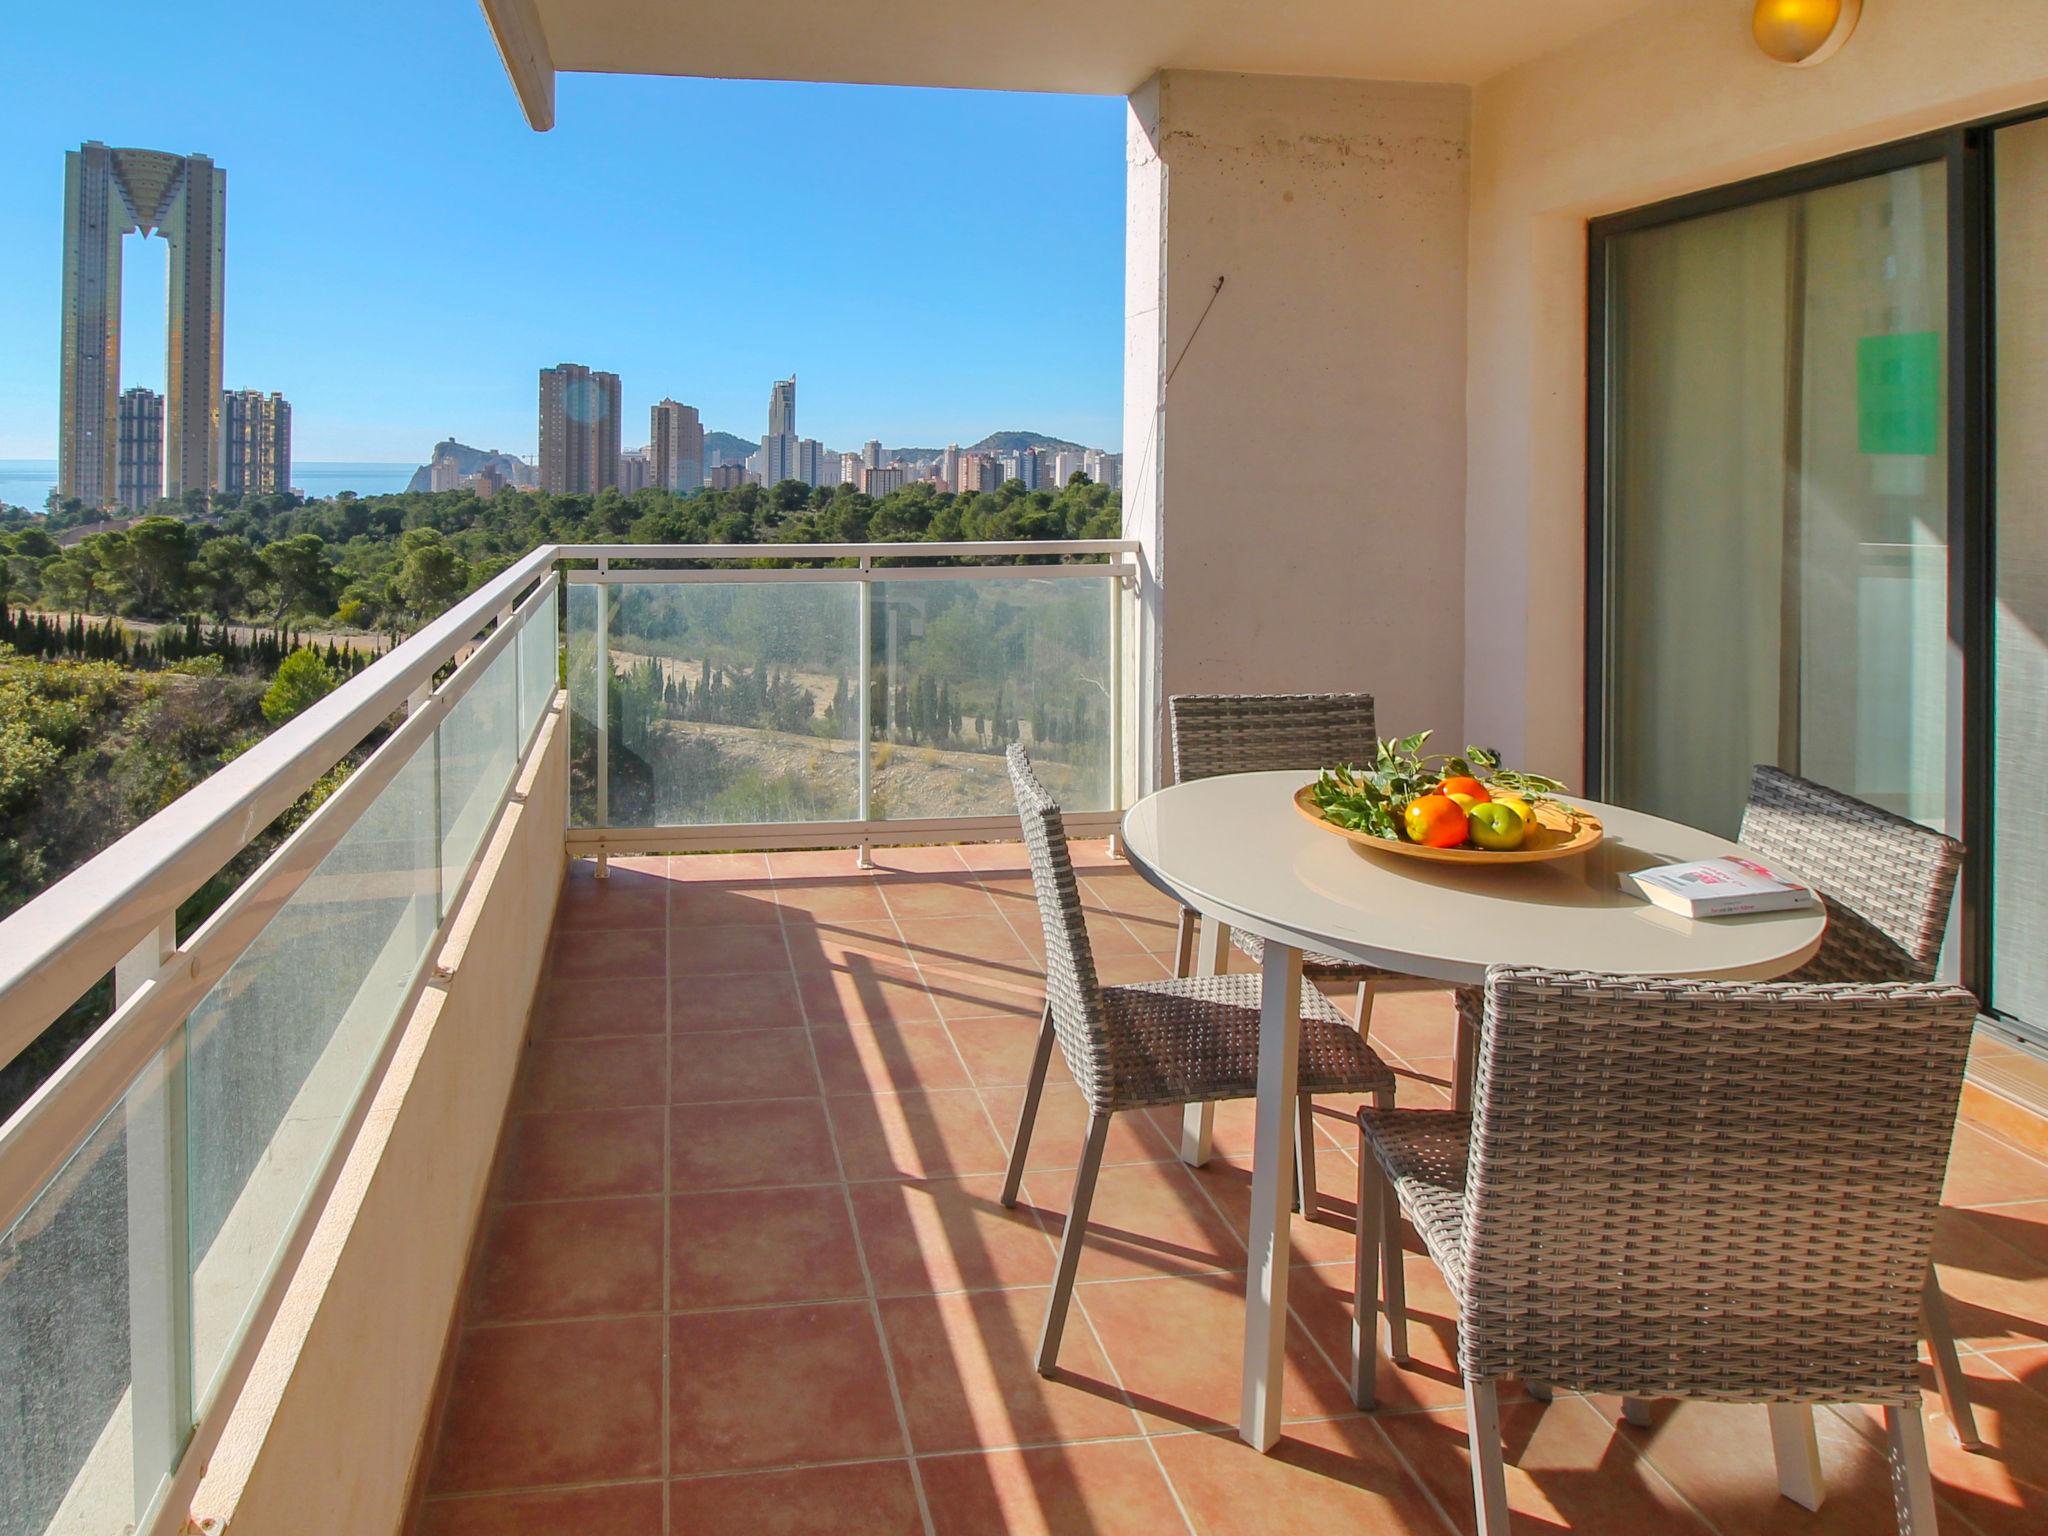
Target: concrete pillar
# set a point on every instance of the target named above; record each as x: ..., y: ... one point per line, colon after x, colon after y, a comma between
x: 1299, y: 487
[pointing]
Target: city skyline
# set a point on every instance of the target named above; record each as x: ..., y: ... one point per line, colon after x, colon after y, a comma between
x: 393, y: 294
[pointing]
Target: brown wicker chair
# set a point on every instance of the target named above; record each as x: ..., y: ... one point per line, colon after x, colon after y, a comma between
x: 1672, y: 1189
x: 1220, y: 733
x: 1154, y: 1043
x: 1888, y: 883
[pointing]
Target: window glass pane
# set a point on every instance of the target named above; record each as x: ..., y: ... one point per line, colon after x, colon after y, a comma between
x: 477, y: 761
x: 281, y: 1046
x: 1777, y: 511
x: 733, y: 702
x: 964, y: 668
x: 2019, y: 871
x: 580, y: 666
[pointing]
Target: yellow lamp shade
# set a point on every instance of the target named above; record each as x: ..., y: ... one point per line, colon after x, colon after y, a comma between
x: 1804, y: 32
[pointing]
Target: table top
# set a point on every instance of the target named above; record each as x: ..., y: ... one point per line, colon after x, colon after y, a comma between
x: 1236, y: 849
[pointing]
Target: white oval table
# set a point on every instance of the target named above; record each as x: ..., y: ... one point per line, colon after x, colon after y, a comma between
x: 1237, y: 851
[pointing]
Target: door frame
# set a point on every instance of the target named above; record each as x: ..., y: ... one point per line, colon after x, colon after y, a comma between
x: 1966, y: 151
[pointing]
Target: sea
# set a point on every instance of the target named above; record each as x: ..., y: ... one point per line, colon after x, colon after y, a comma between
x: 28, y: 482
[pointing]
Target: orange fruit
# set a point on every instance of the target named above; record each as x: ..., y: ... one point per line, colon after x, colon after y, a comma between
x: 1434, y: 821
x: 1464, y: 784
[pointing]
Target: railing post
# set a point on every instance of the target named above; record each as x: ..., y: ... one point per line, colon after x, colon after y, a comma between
x: 421, y: 697
x: 604, y: 725
x: 864, y: 628
x: 1116, y: 702
x: 159, y: 1240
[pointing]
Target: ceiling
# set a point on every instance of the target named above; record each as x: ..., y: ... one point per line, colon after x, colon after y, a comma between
x: 1105, y: 47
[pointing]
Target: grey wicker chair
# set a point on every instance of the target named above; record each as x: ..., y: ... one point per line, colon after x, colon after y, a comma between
x: 1673, y: 1189
x: 1888, y: 883
x: 1150, y: 1044
x: 1220, y: 733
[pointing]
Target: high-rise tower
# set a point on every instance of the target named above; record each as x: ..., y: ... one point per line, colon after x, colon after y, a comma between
x: 675, y: 447
x: 256, y: 438
x: 579, y: 429
x: 140, y: 455
x: 782, y: 406
x: 108, y: 193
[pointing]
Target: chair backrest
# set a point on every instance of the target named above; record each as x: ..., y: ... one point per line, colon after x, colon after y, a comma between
x: 1217, y: 733
x: 1071, y: 988
x: 1706, y: 1190
x: 1888, y: 881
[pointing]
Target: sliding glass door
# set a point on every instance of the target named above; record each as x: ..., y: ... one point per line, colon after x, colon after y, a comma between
x: 1818, y: 509
x: 1774, y: 526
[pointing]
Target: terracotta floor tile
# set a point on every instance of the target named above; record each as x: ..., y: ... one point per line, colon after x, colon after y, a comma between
x: 992, y: 857
x: 604, y: 1073
x: 876, y: 1498
x: 581, y: 1155
x: 1111, y: 936
x: 998, y: 1051
x: 914, y: 896
x: 1566, y: 1470
x: 865, y: 991
x: 924, y: 1235
x: 1061, y: 1130
x: 735, y: 1002
x: 931, y: 859
x: 1178, y: 1344
x: 552, y: 1403
x: 698, y: 905
x: 984, y: 940
x: 608, y: 954
x: 739, y: 1247
x: 1146, y: 1219
x: 737, y: 1146
x: 984, y: 992
x: 710, y: 1065
x: 825, y: 901
x: 2002, y: 1491
x: 1329, y: 1239
x: 1321, y: 1297
x: 620, y: 1509
x: 1322, y: 1477
x: 1994, y: 1270
x: 638, y: 1006
x: 1110, y: 1489
x: 778, y: 1386
x: 915, y: 1135
x: 1989, y: 1110
x: 889, y: 1058
x: 744, y: 949
x: 625, y: 900
x: 815, y: 864
x: 568, y: 1258
x: 966, y: 1368
x: 1718, y: 1455
x: 855, y: 947
x: 742, y: 869
x: 1122, y: 970
x: 1410, y: 1023
x: 1984, y: 1170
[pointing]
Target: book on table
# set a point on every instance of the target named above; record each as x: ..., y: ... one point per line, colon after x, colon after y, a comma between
x: 1724, y: 887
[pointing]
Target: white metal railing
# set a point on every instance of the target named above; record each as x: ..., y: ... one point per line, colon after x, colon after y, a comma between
x: 1114, y: 568
x: 115, y: 1112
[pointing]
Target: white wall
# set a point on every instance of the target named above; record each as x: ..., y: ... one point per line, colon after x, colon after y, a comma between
x: 1670, y: 100
x: 1300, y: 490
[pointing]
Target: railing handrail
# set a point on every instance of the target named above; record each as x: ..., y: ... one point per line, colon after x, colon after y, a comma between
x: 60, y: 943
x: 893, y: 550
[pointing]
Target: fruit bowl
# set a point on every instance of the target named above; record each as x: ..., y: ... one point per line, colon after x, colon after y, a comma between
x: 1560, y: 832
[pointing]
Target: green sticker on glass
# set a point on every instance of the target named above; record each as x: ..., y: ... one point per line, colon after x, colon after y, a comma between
x: 1898, y: 393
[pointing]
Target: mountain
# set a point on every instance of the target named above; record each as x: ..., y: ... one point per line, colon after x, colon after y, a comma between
x: 468, y: 460
x: 732, y: 447
x: 1010, y: 442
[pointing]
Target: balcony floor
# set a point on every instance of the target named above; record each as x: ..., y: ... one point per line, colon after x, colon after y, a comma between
x: 744, y: 1269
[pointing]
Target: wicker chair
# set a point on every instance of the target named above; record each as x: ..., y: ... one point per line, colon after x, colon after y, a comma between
x: 1671, y: 1189
x: 1888, y: 883
x: 1154, y: 1043
x: 1219, y: 733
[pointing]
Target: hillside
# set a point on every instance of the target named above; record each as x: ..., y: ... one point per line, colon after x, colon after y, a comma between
x: 732, y: 447
x: 469, y: 460
x: 1010, y: 442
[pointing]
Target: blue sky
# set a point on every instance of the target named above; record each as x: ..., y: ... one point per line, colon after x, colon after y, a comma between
x: 404, y: 253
